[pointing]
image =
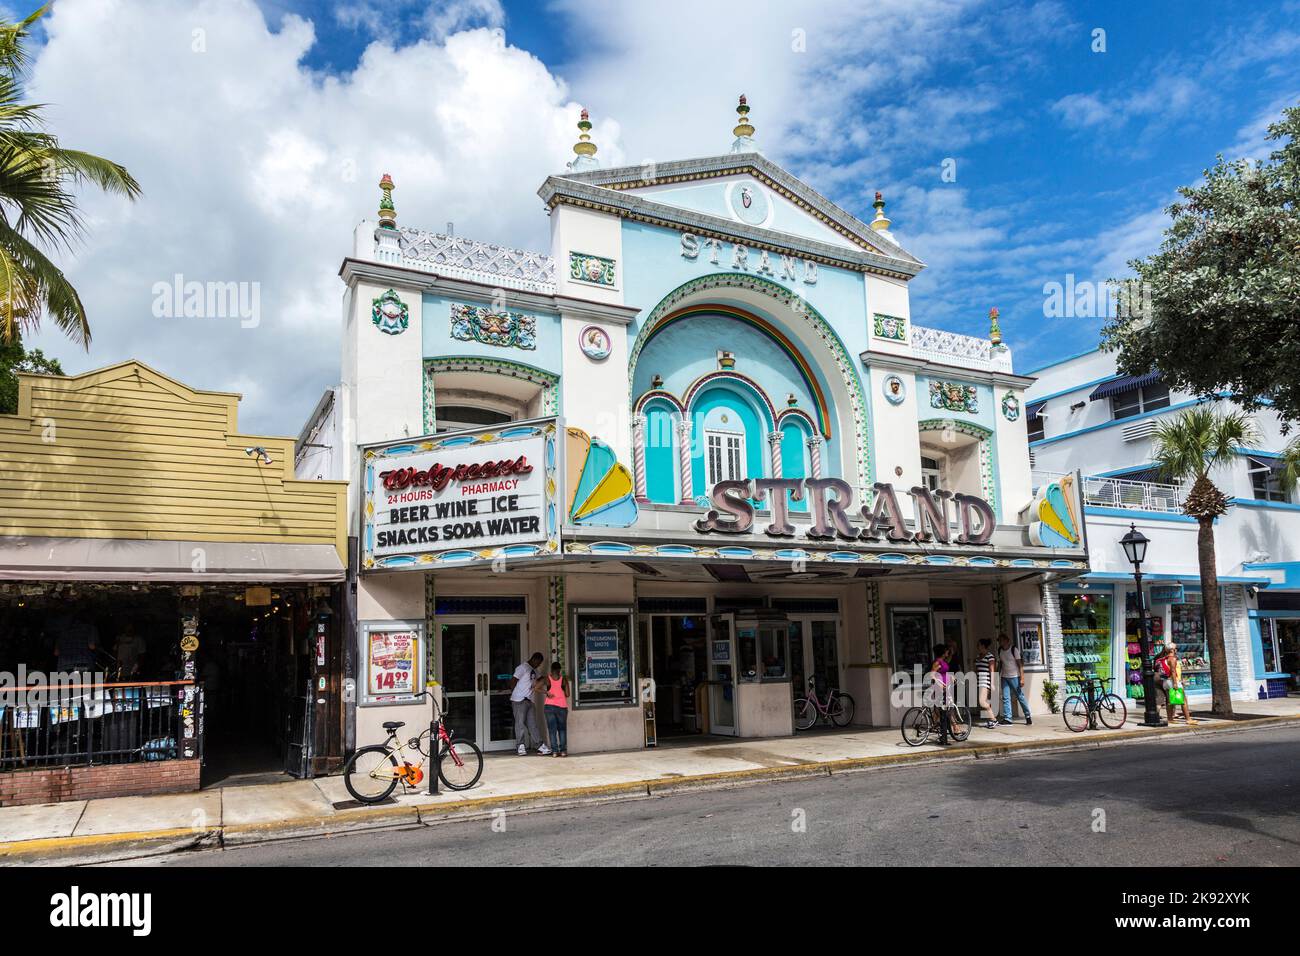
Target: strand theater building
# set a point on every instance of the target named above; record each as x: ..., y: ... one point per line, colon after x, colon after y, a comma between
x: 699, y: 440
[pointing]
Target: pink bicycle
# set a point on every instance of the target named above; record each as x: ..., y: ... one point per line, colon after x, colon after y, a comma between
x: 837, y: 708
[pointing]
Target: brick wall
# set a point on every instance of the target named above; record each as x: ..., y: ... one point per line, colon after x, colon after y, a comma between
x: 56, y: 784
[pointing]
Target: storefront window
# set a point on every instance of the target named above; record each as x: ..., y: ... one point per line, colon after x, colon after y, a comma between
x: 909, y: 629
x: 602, y: 641
x: 1187, y: 630
x: 772, y: 641
x: 747, y: 652
x: 1086, y: 635
x: 1133, y: 646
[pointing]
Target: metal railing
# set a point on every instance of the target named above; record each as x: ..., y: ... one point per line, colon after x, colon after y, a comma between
x: 1099, y: 492
x: 82, y: 724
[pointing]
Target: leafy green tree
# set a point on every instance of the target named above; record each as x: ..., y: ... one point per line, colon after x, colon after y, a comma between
x: 14, y: 358
x: 38, y: 203
x: 1188, y: 448
x: 1220, y: 302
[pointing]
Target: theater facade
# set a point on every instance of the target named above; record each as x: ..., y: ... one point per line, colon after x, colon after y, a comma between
x: 699, y: 440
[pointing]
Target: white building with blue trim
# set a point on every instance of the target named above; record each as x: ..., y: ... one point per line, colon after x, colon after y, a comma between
x: 1084, y: 416
x: 699, y: 440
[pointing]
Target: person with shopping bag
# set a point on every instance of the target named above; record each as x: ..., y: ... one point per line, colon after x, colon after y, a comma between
x: 1170, y: 670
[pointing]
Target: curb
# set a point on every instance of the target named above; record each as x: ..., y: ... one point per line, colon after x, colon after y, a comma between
x: 107, y: 847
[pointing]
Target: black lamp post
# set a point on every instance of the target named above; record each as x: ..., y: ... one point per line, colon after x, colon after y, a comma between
x: 1135, y: 549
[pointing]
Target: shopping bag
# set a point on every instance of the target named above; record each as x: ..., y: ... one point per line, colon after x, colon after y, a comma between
x: 1176, y: 697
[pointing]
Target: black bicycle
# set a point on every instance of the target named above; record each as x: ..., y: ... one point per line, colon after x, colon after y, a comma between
x: 1082, y: 711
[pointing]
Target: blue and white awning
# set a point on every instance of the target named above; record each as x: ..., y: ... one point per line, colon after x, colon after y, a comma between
x: 1125, y: 383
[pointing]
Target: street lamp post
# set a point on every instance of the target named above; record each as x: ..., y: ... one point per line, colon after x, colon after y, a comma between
x: 1135, y: 549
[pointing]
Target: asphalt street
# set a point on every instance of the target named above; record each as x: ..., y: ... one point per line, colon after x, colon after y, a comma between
x: 1228, y: 799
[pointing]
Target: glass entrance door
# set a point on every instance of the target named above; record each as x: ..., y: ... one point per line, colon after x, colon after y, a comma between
x: 722, y: 676
x: 950, y: 627
x: 815, y: 653
x: 477, y: 657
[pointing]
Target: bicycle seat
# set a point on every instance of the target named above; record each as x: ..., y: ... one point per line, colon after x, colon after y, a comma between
x: 392, y: 725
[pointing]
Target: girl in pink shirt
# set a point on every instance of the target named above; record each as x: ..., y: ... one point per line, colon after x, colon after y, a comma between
x: 557, y: 710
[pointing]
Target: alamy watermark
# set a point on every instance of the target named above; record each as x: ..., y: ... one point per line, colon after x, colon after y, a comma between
x: 24, y: 690
x: 1088, y: 299
x: 191, y: 299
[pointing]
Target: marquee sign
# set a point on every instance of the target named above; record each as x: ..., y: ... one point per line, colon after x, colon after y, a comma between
x: 831, y: 506
x: 462, y: 497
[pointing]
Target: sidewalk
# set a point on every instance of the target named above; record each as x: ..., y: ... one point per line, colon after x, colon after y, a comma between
x: 121, y: 827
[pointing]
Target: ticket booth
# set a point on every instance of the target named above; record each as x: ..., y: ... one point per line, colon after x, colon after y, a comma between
x: 749, y: 674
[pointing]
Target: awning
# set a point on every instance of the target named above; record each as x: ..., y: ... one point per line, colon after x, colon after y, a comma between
x: 1151, y: 475
x: 1032, y: 410
x: 31, y: 558
x: 1125, y: 383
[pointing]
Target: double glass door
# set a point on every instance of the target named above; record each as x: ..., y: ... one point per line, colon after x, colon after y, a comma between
x: 815, y: 653
x: 477, y: 657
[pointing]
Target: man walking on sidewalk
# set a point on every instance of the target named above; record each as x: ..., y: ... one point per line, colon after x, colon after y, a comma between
x: 1012, y: 678
x: 521, y: 702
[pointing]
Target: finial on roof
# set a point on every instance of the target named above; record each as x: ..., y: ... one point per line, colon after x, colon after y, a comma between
x: 584, y: 148
x: 882, y: 222
x: 995, y: 330
x: 744, y: 130
x: 387, y: 214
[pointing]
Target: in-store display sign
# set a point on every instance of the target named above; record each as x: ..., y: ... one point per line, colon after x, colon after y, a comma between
x: 1029, y: 638
x: 435, y: 496
x: 393, y: 655
x: 833, y: 512
x: 601, y: 670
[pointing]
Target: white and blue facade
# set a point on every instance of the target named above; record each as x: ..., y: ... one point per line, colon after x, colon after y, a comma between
x: 1083, y: 415
x: 700, y: 322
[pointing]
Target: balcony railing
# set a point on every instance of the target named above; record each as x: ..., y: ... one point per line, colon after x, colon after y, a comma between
x: 1099, y: 492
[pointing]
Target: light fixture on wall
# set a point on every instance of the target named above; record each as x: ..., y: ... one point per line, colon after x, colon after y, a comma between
x: 1078, y: 405
x: 259, y: 450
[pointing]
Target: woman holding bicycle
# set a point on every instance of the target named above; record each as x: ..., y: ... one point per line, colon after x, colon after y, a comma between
x: 939, y: 668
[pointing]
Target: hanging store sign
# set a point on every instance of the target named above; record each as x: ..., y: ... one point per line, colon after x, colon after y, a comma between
x: 832, y: 509
x: 472, y: 494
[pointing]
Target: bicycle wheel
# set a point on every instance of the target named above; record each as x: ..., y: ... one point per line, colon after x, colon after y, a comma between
x: 805, y: 714
x: 842, y: 710
x: 370, y: 775
x: 1111, y: 711
x: 1075, y: 713
x: 916, y: 726
x: 959, y: 722
x: 461, y: 765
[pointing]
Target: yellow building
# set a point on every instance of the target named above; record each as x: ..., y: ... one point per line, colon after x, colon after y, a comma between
x: 145, y: 539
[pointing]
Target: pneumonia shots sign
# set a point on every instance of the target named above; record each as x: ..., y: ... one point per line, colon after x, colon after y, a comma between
x: 469, y: 496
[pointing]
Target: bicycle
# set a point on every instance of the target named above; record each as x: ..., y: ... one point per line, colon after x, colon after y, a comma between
x: 374, y: 772
x: 838, y: 708
x: 921, y: 723
x: 1081, y: 712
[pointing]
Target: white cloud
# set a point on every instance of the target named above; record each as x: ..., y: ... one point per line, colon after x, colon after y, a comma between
x: 256, y: 169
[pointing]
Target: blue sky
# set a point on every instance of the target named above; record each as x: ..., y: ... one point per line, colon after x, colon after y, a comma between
x: 260, y: 155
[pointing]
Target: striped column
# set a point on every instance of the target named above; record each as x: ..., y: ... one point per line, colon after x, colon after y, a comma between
x: 815, y: 455
x: 774, y: 443
x: 684, y: 459
x: 638, y: 458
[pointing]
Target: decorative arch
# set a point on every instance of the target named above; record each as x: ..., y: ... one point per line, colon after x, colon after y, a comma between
x: 727, y: 375
x: 988, y: 477
x: 668, y: 311
x: 548, y: 382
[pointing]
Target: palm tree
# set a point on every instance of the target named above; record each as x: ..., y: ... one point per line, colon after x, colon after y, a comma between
x: 1289, y: 466
x: 38, y: 207
x: 1189, y: 448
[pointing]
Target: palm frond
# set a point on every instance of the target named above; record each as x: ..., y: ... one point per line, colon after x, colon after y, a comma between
x: 1289, y: 466
x: 1199, y: 440
x: 33, y: 287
